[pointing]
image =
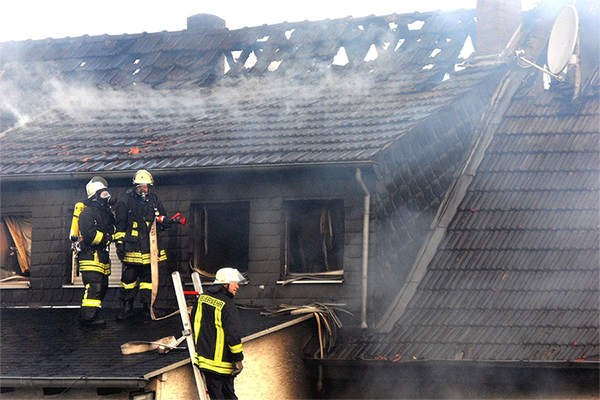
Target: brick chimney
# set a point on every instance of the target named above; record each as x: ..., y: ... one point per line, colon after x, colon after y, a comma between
x: 497, y: 20
x: 205, y: 22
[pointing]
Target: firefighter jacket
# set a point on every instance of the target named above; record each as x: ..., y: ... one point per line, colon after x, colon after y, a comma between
x: 134, y: 218
x: 96, y: 226
x: 217, y: 332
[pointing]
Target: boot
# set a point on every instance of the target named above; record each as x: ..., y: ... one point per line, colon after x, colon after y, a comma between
x: 98, y: 321
x: 126, y: 311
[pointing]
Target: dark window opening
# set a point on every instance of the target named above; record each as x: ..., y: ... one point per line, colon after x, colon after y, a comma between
x: 15, y: 248
x: 221, y: 237
x: 314, y: 238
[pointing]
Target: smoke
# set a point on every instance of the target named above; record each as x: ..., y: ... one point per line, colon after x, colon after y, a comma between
x: 234, y: 99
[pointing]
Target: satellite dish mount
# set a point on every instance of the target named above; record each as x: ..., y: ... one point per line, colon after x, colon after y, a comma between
x: 563, y: 48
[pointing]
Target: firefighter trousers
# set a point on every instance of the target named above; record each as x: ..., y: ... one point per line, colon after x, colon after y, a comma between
x: 219, y: 386
x: 134, y: 278
x: 96, y: 285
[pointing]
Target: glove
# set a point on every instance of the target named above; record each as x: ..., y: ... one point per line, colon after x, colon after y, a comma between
x: 237, y: 368
x: 120, y: 250
x: 107, y: 237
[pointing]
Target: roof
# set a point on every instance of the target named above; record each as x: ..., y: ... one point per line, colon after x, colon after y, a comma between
x: 295, y: 115
x: 50, y: 343
x: 516, y: 275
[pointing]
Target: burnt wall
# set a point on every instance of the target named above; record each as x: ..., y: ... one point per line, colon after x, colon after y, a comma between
x: 50, y: 205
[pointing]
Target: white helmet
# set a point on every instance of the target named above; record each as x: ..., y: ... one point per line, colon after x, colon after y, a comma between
x: 228, y: 275
x: 95, y: 184
x: 143, y: 177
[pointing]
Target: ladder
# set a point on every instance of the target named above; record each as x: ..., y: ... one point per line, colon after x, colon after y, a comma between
x: 187, y: 328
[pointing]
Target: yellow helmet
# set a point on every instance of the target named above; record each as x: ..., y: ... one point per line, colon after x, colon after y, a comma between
x: 143, y: 177
x: 95, y: 184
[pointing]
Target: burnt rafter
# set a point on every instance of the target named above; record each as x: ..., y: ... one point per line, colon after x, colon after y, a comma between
x: 407, y: 40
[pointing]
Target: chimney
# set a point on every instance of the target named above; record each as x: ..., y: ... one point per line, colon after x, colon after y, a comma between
x: 497, y: 20
x: 205, y: 22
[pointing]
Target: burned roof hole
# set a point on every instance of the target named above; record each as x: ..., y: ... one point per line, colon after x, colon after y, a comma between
x: 435, y: 52
x: 236, y: 55
x: 360, y: 27
x: 288, y: 33
x: 416, y: 25
x: 263, y: 39
x: 274, y: 65
x: 251, y: 60
x: 341, y: 57
x: 83, y: 64
x: 467, y: 49
x: 137, y: 61
x: 393, y: 26
x: 400, y: 43
x: 371, y: 54
x: 428, y: 66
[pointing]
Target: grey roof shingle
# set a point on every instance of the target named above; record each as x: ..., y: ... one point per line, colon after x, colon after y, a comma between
x: 516, y: 277
x: 50, y: 343
x: 323, y: 113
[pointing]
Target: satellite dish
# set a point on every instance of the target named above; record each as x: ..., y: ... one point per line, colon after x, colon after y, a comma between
x: 563, y: 39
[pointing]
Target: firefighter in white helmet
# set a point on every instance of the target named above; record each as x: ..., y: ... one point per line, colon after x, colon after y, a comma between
x: 217, y: 333
x: 96, y: 227
x: 135, y: 213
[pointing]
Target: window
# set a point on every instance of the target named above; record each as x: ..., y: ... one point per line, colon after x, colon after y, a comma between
x: 314, y: 239
x: 221, y: 237
x: 15, y: 250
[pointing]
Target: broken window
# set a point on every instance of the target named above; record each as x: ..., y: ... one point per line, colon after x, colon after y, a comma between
x: 314, y: 239
x: 221, y: 237
x: 15, y: 249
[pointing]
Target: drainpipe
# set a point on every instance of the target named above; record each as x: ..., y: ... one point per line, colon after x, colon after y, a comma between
x: 365, y: 247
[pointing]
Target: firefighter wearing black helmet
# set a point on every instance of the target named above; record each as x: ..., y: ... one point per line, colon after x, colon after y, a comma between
x: 96, y: 227
x: 135, y: 214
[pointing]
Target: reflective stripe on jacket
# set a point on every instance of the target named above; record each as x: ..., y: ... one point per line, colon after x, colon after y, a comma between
x: 134, y: 217
x: 96, y: 226
x: 217, y: 332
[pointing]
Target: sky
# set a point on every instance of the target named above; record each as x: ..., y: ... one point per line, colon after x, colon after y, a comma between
x: 41, y: 19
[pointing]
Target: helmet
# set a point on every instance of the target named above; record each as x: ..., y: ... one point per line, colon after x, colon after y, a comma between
x: 95, y: 184
x: 143, y: 177
x: 228, y: 275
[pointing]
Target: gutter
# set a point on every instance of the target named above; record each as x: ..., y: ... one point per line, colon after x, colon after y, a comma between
x: 162, y: 172
x: 365, y: 248
x: 456, y: 363
x: 71, y: 382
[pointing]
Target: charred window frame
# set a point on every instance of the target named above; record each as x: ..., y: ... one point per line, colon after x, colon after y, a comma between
x: 15, y: 250
x: 313, y: 240
x: 221, y: 236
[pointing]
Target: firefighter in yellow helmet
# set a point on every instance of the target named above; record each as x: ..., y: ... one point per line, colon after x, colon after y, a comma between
x: 96, y: 227
x: 135, y: 213
x: 217, y: 334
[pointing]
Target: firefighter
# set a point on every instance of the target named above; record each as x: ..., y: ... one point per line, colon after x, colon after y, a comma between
x: 217, y: 334
x: 96, y: 227
x: 135, y: 214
